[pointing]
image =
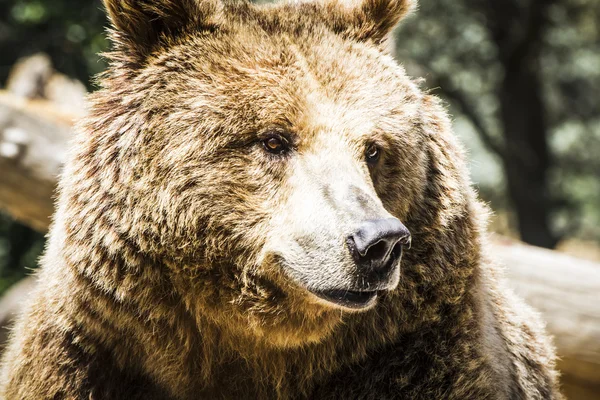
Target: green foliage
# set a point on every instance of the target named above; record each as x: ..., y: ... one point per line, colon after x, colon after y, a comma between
x: 70, y: 31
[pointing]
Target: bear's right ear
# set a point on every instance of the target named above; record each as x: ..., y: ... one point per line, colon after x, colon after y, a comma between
x: 139, y: 25
x: 365, y: 19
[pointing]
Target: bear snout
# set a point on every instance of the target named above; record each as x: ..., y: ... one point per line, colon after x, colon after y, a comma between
x: 377, y: 244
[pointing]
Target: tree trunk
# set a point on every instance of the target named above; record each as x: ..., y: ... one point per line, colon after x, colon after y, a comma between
x: 526, y: 157
x: 517, y: 27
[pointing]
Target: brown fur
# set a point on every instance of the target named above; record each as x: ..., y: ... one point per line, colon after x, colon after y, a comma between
x: 160, y: 280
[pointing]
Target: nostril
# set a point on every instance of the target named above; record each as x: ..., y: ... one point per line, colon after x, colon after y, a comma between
x: 397, y: 251
x: 378, y: 251
x: 378, y: 243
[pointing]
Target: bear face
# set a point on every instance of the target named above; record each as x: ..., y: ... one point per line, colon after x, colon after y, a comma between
x: 249, y: 144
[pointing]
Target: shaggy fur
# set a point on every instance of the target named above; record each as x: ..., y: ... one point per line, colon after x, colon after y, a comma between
x: 168, y: 272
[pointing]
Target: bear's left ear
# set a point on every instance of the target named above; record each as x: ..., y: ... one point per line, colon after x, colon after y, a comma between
x: 366, y: 19
x: 139, y: 25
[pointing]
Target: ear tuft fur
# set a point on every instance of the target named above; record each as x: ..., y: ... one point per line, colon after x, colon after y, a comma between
x: 368, y: 19
x: 139, y: 25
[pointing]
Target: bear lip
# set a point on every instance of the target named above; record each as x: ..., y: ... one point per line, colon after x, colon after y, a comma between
x: 351, y: 299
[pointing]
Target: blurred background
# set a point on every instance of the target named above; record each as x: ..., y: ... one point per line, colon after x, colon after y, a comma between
x: 521, y: 79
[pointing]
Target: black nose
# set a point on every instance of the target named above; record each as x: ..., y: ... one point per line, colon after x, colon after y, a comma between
x: 377, y: 244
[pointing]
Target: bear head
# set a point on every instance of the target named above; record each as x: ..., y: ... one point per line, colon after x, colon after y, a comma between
x: 269, y: 156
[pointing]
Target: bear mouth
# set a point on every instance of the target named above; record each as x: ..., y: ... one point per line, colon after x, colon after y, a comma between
x: 355, y: 300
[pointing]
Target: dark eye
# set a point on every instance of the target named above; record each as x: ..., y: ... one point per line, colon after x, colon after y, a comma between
x: 372, y: 153
x: 275, y: 144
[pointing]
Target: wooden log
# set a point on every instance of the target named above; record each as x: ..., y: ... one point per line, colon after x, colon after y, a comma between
x: 36, y: 115
x: 33, y: 137
x: 566, y: 291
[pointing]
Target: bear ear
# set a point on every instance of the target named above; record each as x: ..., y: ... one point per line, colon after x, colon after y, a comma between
x: 139, y: 25
x: 367, y: 19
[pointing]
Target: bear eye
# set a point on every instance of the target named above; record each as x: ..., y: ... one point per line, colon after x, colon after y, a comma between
x: 275, y: 144
x: 372, y: 153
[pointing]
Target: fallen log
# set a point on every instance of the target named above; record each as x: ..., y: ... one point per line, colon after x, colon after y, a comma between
x: 566, y: 290
x: 37, y: 112
x: 32, y: 150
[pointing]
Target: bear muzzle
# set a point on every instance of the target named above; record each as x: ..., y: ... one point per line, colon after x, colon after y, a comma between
x: 376, y: 248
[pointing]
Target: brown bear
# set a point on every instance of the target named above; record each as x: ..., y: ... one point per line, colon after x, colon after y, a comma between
x: 261, y: 204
